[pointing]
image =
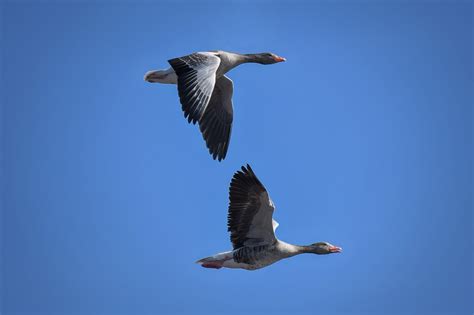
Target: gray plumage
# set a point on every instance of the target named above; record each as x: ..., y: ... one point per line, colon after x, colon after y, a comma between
x: 252, y: 229
x: 205, y: 92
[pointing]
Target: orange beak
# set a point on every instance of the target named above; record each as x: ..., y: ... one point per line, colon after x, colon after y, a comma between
x: 335, y: 249
x: 279, y: 59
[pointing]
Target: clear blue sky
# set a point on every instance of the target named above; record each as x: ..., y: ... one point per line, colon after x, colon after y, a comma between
x: 363, y: 139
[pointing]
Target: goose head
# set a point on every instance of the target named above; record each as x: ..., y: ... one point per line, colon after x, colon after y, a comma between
x: 323, y: 248
x: 266, y: 58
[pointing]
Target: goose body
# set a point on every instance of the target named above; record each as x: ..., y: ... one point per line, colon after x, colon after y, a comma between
x: 252, y: 229
x: 206, y: 93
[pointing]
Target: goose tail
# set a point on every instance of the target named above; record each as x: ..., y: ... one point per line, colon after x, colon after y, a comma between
x: 216, y: 261
x: 161, y: 76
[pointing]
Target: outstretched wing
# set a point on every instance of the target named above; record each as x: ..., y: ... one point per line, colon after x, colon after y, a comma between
x: 196, y: 79
x: 250, y: 211
x: 216, y: 123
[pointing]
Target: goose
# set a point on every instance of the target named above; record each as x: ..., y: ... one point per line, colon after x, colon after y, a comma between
x: 205, y: 92
x: 252, y: 229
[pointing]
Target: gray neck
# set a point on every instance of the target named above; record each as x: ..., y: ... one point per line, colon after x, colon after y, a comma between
x: 229, y: 61
x: 303, y: 249
x: 289, y: 250
x: 250, y: 58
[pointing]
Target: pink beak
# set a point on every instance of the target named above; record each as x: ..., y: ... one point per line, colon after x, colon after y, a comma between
x: 279, y: 59
x: 335, y: 249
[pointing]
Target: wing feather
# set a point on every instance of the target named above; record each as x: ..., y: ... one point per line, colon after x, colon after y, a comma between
x: 196, y: 78
x: 250, y: 214
x: 216, y: 123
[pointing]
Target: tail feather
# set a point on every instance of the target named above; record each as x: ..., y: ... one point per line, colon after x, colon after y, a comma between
x: 205, y: 260
x: 161, y: 76
x: 216, y: 261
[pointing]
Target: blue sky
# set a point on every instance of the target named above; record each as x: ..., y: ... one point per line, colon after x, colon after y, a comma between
x: 363, y: 139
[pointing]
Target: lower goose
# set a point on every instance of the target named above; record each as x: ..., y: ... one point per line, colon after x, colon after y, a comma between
x: 252, y: 229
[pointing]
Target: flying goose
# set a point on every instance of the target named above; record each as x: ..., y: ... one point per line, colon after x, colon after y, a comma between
x: 205, y: 92
x: 252, y: 229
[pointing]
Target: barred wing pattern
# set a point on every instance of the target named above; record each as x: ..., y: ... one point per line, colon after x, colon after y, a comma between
x: 250, y: 214
x: 216, y: 123
x: 196, y: 79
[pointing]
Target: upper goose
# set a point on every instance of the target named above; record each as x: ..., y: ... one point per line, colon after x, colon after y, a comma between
x: 205, y: 92
x: 252, y: 229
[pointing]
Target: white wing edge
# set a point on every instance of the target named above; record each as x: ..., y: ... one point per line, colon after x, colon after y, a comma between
x: 275, y: 225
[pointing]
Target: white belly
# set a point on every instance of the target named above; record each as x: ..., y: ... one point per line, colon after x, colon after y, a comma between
x: 235, y: 265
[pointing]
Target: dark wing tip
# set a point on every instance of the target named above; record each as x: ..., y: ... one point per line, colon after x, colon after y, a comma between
x: 244, y: 196
x: 215, y: 134
x: 247, y: 170
x: 247, y: 175
x: 218, y: 154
